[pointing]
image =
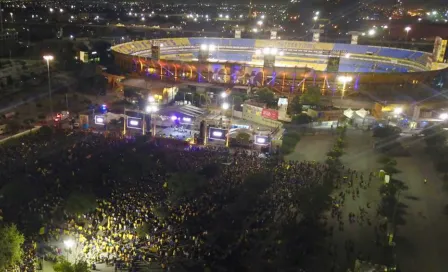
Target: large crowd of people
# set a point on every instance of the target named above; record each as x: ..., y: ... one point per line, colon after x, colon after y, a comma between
x: 141, y: 218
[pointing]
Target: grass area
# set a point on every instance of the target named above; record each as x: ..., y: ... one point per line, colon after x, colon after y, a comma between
x: 39, y: 110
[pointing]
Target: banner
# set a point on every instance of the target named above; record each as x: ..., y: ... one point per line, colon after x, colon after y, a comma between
x: 237, y: 34
x: 377, y: 111
x: 293, y: 45
x: 333, y: 64
x: 155, y: 52
x: 270, y: 114
x: 269, y: 61
x: 83, y: 119
x: 354, y: 39
x: 437, y: 48
x: 441, y: 55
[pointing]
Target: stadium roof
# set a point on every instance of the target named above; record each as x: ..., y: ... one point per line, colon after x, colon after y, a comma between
x: 186, y: 110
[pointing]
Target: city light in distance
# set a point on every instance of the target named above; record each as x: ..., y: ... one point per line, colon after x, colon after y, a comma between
x: 225, y: 106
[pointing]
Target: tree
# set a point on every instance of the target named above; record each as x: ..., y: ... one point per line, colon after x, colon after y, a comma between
x: 211, y: 170
x: 142, y: 230
x: 289, y: 142
x: 335, y: 152
x: 265, y: 95
x: 160, y: 211
x: 11, y: 241
x: 301, y: 119
x: 80, y: 203
x: 243, y: 137
x: 237, y: 102
x: 184, y: 185
x: 12, y: 126
x: 386, y: 132
x: 312, y: 96
x: 441, y: 163
x: 295, y: 106
x: 434, y: 137
x: 65, y: 266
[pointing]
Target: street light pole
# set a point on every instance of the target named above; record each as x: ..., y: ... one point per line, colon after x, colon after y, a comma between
x: 49, y: 58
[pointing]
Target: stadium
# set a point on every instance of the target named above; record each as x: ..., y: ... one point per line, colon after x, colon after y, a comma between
x: 282, y: 64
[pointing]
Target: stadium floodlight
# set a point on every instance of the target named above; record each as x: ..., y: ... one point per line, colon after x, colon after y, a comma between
x: 225, y: 106
x: 443, y: 116
x: 398, y: 111
x: 345, y: 79
x: 266, y: 50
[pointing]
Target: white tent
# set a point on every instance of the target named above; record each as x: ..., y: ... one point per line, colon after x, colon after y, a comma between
x: 348, y: 113
x: 362, y: 113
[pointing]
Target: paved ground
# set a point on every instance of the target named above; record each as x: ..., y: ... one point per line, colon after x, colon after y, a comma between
x: 421, y: 238
x: 312, y: 147
x: 359, y: 155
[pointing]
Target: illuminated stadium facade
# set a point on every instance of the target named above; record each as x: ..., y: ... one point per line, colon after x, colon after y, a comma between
x: 281, y: 64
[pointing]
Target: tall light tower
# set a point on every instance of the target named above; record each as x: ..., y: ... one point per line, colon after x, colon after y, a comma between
x: 407, y: 29
x: 249, y: 15
x: 49, y: 58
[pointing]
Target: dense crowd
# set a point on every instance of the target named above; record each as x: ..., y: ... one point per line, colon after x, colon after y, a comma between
x: 137, y: 221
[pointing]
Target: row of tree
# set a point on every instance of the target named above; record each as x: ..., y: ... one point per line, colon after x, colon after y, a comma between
x: 289, y: 142
x: 336, y: 152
